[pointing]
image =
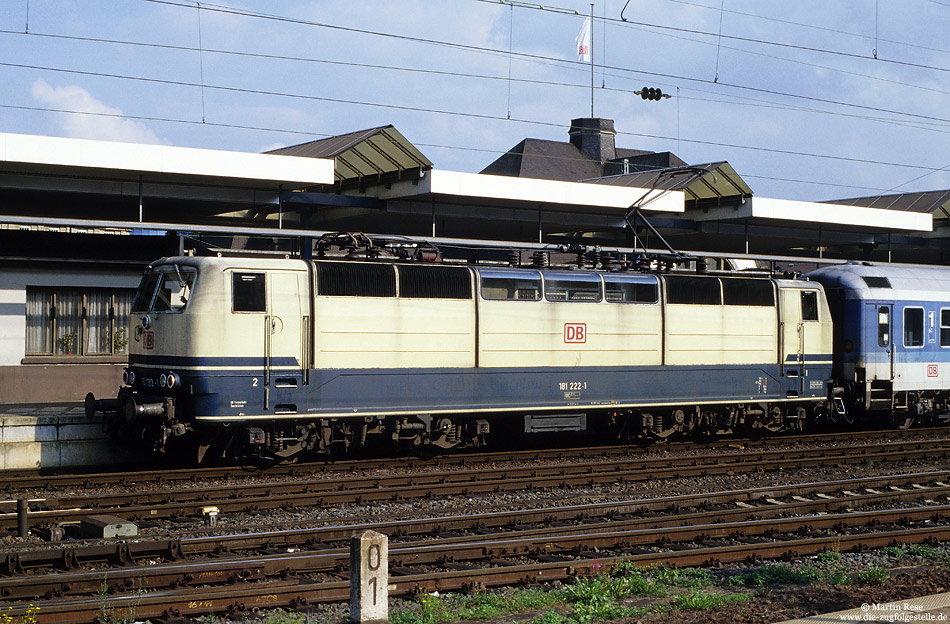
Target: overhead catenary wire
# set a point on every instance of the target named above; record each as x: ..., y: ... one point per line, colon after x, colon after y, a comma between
x: 532, y: 58
x: 917, y: 120
x: 317, y: 135
x: 473, y: 115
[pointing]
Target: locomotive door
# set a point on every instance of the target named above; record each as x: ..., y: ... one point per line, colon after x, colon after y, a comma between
x: 792, y: 353
x: 879, y: 347
x: 282, y: 335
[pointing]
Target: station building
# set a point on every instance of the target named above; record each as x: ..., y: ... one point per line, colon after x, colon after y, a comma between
x: 80, y: 220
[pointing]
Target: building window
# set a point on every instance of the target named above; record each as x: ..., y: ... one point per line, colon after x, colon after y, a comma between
x: 913, y: 327
x: 77, y: 321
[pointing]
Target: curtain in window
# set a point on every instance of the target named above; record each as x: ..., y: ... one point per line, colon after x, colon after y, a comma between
x: 68, y: 321
x: 123, y: 312
x: 39, y: 326
x: 98, y: 330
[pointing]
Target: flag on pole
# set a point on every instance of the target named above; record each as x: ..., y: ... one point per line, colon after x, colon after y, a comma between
x: 583, y: 42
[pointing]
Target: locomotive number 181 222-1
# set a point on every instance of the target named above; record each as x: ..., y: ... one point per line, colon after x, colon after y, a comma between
x: 572, y: 385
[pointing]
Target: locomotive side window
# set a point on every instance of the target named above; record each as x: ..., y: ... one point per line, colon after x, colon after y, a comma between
x: 342, y: 279
x: 247, y: 292
x: 913, y: 327
x: 630, y: 289
x: 517, y: 285
x: 434, y: 282
x: 572, y: 287
x: 945, y: 327
x: 693, y: 290
x: 748, y: 292
x: 809, y: 305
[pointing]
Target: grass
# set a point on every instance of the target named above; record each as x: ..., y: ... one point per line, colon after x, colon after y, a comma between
x: 630, y: 591
x: 872, y: 576
x: 696, y: 600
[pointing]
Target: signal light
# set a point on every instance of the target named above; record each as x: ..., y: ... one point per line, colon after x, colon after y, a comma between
x: 651, y: 93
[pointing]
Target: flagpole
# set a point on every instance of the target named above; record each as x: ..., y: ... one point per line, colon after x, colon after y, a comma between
x: 592, y: 60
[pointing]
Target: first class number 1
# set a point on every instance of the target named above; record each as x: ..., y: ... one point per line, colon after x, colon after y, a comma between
x: 572, y: 385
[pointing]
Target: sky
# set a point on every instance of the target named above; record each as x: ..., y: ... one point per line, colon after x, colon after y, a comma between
x: 807, y: 100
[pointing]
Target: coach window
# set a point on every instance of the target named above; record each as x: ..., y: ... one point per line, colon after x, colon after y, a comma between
x: 883, y: 327
x: 913, y: 327
x: 247, y: 292
x: 514, y: 285
x: 945, y: 327
x: 572, y: 287
x: 630, y: 288
x: 809, y: 305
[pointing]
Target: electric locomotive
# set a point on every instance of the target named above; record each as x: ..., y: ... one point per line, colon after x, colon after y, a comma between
x: 262, y: 356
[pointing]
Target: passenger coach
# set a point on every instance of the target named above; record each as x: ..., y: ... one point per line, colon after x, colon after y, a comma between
x: 277, y: 356
x: 892, y: 337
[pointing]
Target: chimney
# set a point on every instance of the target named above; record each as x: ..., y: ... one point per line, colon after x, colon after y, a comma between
x: 594, y: 137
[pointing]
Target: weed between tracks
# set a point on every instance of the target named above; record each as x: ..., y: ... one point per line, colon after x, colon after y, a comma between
x: 629, y: 591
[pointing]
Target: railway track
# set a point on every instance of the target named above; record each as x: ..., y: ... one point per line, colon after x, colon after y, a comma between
x: 12, y: 481
x: 295, y: 568
x: 328, y: 490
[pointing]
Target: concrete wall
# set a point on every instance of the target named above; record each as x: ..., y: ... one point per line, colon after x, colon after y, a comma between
x: 57, y: 383
x: 55, y: 436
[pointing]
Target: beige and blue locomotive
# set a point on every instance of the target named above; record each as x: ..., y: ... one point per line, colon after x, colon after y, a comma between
x: 277, y: 356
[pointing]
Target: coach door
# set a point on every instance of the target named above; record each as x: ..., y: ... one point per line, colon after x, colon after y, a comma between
x: 879, y: 339
x: 283, y: 336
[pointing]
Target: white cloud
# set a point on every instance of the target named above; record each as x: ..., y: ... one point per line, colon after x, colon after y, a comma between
x: 105, y: 123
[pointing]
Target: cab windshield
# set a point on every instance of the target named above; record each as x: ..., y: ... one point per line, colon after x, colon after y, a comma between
x: 165, y: 288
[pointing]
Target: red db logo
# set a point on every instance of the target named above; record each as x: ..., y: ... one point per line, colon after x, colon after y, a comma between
x: 575, y: 332
x: 932, y: 370
x: 148, y: 340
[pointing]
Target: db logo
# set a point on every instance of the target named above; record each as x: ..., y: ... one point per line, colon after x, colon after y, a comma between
x: 575, y: 332
x: 148, y: 340
x: 932, y: 370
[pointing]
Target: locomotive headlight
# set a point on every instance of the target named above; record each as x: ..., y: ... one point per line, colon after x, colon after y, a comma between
x: 131, y: 375
x: 163, y: 380
x: 125, y: 377
x: 171, y: 380
x: 146, y: 321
